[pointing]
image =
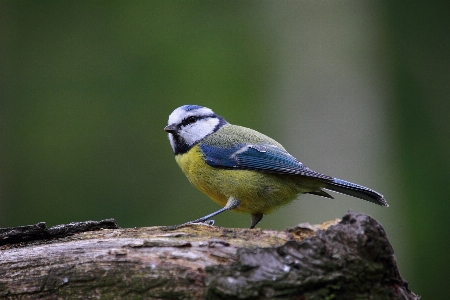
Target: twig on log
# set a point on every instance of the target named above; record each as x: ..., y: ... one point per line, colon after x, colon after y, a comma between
x: 40, y: 231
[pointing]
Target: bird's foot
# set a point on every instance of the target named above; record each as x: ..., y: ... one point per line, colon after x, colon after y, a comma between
x: 195, y: 222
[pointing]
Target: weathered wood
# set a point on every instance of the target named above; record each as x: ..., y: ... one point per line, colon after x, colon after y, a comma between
x: 350, y: 259
x: 40, y: 231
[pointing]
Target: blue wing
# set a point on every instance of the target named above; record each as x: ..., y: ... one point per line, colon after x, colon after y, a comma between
x: 259, y: 157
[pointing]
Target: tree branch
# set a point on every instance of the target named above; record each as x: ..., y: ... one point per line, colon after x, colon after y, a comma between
x: 350, y: 259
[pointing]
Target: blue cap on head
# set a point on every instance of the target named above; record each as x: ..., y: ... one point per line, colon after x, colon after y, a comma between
x: 191, y: 107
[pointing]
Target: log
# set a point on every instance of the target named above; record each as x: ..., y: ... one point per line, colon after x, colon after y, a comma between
x: 347, y: 259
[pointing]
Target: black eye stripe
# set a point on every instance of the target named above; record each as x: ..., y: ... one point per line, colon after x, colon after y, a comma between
x: 193, y: 119
x: 188, y: 120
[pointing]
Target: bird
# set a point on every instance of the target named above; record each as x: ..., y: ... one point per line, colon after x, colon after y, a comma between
x: 244, y: 170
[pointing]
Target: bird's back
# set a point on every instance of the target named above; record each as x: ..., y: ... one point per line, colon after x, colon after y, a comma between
x: 231, y: 135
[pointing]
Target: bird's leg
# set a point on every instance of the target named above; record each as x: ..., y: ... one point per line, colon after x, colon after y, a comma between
x: 255, y: 219
x: 232, y: 203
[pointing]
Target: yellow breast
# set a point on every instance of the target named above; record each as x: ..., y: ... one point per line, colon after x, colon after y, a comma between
x: 258, y: 192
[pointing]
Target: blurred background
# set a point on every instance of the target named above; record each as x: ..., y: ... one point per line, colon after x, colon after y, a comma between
x: 354, y: 89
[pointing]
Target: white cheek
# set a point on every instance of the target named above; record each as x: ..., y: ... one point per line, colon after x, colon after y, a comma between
x: 197, y: 131
x: 172, y: 142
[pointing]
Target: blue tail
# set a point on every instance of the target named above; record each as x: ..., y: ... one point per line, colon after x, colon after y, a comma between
x: 358, y: 191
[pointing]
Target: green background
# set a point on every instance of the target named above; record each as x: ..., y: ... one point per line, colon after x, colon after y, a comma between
x: 355, y: 89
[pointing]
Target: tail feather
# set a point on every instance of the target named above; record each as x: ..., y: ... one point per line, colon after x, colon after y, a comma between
x: 355, y: 190
x: 321, y: 194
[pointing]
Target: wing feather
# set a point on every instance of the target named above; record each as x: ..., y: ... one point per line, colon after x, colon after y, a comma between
x: 259, y: 157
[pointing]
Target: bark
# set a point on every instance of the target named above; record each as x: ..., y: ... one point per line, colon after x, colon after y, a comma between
x: 348, y: 259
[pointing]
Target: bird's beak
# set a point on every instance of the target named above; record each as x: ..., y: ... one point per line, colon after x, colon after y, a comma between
x: 171, y: 128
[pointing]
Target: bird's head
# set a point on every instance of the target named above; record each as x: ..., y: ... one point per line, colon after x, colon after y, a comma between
x: 189, y: 124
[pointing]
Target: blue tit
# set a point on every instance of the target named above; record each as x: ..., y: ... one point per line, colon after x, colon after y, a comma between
x: 244, y: 170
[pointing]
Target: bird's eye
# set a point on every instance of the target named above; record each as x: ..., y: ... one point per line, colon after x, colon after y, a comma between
x: 189, y: 120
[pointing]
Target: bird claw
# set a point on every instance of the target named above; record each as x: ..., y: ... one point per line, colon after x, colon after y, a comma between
x: 206, y: 222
